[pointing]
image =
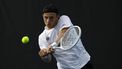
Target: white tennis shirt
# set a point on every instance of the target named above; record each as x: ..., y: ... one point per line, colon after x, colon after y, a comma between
x: 74, y: 58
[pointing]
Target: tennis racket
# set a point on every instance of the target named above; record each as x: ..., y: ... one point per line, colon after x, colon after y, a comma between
x: 70, y: 38
x: 47, y: 58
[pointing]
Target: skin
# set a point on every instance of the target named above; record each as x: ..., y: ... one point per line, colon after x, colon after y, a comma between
x: 50, y: 20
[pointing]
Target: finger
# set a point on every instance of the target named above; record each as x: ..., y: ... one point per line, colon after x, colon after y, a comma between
x: 45, y: 51
x: 51, y: 50
x: 42, y: 52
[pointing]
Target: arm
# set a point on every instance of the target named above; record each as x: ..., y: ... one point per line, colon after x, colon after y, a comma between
x: 60, y: 34
x: 46, y: 51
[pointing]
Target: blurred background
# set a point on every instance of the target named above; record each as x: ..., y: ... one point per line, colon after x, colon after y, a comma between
x: 99, y: 20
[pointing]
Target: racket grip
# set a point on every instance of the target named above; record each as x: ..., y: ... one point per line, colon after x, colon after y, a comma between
x: 54, y: 44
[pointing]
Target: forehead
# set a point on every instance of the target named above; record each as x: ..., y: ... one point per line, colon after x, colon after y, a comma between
x: 49, y: 14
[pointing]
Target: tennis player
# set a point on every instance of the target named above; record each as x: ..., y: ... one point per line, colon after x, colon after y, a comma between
x: 55, y: 26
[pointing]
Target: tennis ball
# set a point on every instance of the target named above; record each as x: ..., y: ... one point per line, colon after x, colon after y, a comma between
x: 25, y: 39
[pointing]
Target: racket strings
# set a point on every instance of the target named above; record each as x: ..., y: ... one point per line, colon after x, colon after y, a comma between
x: 70, y: 38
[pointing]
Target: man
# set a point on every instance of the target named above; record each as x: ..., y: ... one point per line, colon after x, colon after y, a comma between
x: 56, y: 25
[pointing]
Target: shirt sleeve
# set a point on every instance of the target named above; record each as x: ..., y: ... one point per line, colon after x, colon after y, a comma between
x: 42, y: 41
x: 65, y: 21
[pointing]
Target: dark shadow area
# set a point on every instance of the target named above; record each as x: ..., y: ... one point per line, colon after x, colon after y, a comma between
x: 99, y: 20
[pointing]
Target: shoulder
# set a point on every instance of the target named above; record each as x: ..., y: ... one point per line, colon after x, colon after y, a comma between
x: 64, y: 21
x: 64, y: 17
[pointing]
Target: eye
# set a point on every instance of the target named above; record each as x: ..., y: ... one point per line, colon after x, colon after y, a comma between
x: 46, y: 17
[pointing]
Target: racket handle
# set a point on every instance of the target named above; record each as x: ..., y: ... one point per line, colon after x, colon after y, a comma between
x: 54, y: 44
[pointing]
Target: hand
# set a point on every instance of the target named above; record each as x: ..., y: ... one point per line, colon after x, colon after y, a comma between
x: 46, y: 51
x: 43, y: 52
x: 50, y: 49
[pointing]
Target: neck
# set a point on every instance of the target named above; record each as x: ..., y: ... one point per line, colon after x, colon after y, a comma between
x: 48, y: 28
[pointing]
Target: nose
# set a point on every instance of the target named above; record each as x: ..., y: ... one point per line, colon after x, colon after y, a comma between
x: 48, y: 20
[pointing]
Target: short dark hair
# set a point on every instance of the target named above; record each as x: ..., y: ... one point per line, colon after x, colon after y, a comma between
x: 50, y: 8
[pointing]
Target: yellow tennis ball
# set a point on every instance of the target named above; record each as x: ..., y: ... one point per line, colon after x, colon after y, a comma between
x: 25, y: 39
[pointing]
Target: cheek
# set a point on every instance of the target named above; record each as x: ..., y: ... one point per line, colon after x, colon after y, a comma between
x: 52, y: 21
x: 45, y: 21
x: 56, y: 20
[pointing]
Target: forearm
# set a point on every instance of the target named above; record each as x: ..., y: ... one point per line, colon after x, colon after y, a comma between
x: 49, y: 50
x: 60, y: 35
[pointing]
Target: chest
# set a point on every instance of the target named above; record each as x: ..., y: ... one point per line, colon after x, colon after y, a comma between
x: 50, y: 35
